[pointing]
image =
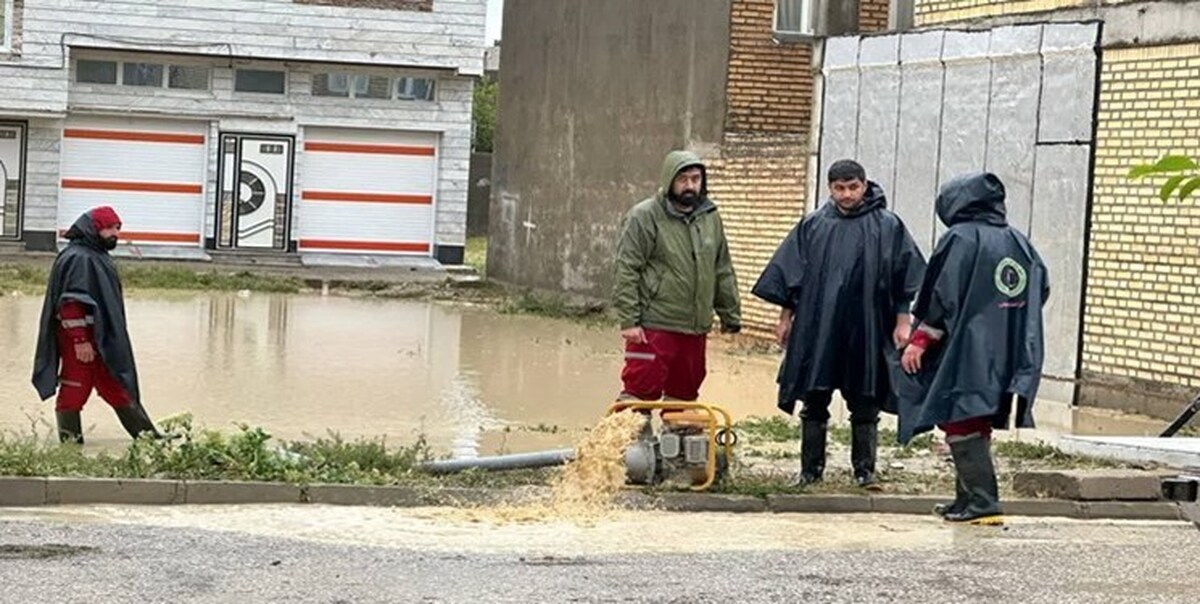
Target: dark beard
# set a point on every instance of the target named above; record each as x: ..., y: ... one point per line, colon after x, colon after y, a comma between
x: 109, y: 243
x: 689, y: 199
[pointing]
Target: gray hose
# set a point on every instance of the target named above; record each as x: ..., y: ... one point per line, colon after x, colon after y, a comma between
x: 537, y: 459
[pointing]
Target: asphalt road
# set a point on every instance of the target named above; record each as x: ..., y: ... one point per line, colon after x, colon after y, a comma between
x: 256, y: 554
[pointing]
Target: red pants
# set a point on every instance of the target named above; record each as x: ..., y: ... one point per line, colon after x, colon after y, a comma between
x: 669, y: 364
x: 77, y: 379
x: 974, y: 425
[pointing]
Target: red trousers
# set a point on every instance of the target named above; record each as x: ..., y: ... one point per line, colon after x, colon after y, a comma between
x: 669, y: 364
x: 980, y: 425
x: 77, y: 379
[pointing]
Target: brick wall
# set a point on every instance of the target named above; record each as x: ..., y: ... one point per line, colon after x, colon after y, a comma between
x: 760, y: 178
x: 930, y: 12
x: 1142, y: 318
x: 759, y: 183
x: 873, y: 15
x: 770, y: 83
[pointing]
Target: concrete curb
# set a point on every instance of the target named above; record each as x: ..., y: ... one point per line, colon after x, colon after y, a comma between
x: 38, y: 491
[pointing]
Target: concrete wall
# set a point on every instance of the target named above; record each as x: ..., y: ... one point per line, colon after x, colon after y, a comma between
x: 594, y: 95
x: 919, y: 109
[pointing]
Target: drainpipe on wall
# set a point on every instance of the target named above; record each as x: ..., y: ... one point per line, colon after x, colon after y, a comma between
x: 901, y: 15
x: 818, y: 104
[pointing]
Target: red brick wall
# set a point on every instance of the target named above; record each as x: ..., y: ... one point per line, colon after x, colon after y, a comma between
x: 873, y: 15
x: 770, y: 83
x: 760, y: 178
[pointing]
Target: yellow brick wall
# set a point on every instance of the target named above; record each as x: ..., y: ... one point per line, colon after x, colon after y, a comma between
x: 759, y: 184
x: 1142, y: 318
x: 931, y: 12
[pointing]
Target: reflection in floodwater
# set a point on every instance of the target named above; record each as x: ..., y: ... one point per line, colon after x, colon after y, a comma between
x: 307, y: 366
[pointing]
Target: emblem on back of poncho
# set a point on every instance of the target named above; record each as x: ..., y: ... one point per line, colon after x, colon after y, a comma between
x: 1011, y: 278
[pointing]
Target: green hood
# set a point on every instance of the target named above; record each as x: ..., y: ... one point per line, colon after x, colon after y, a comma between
x: 676, y: 161
x: 673, y: 268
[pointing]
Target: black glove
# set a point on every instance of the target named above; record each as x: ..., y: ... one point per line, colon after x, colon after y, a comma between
x: 730, y: 328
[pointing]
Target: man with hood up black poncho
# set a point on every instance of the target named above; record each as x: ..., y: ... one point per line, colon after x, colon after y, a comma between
x: 979, y: 340
x: 845, y: 278
x: 83, y: 342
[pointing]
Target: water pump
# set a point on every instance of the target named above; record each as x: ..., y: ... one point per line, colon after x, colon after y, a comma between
x: 693, y: 444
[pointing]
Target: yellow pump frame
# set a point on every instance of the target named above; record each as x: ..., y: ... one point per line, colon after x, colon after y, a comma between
x: 712, y: 426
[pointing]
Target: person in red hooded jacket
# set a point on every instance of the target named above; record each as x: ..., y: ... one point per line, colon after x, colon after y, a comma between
x: 83, y: 341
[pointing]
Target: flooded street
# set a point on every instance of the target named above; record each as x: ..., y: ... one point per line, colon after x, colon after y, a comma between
x: 303, y: 365
x: 472, y: 380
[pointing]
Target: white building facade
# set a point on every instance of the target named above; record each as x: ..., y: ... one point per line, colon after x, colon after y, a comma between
x: 288, y: 127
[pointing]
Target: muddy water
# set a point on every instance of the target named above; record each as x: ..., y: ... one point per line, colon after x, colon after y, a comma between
x: 471, y: 380
x: 305, y: 365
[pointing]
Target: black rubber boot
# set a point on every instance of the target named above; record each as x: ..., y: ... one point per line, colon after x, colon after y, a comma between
x: 812, y: 452
x: 70, y: 427
x: 956, y: 506
x: 864, y: 440
x: 977, y: 473
x: 135, y: 421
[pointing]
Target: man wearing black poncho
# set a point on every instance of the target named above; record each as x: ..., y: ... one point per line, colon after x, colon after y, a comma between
x: 83, y: 341
x: 845, y: 278
x: 979, y: 341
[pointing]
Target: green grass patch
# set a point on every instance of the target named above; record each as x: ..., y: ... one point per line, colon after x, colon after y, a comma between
x: 774, y: 429
x: 32, y: 279
x: 151, y: 277
x: 248, y: 454
x: 476, y: 254
x: 1043, y: 455
x: 554, y: 306
x: 21, y: 278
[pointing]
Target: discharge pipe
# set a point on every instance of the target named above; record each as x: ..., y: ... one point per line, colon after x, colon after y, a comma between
x: 519, y: 461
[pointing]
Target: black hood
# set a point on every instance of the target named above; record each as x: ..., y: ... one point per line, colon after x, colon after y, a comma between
x: 977, y: 197
x: 84, y: 231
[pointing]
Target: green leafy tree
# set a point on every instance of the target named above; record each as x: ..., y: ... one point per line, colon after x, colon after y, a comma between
x: 1183, y: 176
x: 484, y: 114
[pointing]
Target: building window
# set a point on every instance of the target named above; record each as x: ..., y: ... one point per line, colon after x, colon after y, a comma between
x: 794, y: 16
x: 361, y: 86
x: 95, y: 72
x: 331, y: 84
x: 258, y: 80
x: 188, y: 77
x: 416, y: 89
x: 6, y: 25
x: 150, y: 75
x: 142, y: 74
x: 373, y: 87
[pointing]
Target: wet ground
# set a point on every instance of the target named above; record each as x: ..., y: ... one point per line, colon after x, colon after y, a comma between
x: 471, y: 380
x: 331, y: 554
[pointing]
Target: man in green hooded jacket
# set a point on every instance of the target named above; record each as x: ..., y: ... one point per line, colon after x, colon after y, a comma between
x: 673, y: 273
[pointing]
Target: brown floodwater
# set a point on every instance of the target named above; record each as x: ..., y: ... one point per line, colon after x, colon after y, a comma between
x: 471, y: 380
x: 301, y: 366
